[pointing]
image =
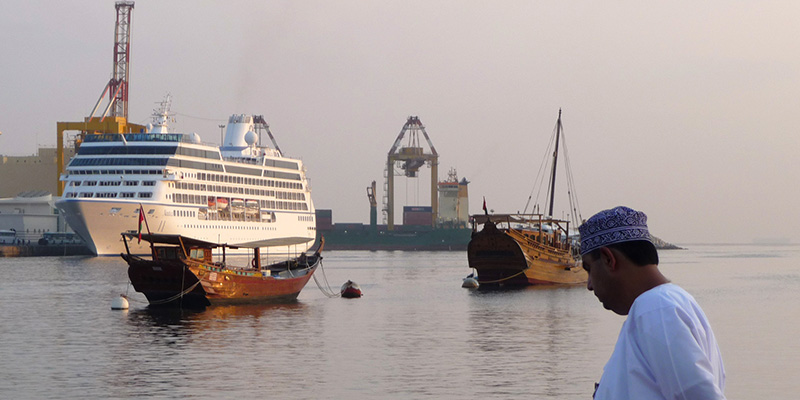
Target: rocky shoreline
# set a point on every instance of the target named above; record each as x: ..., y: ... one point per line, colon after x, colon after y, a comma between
x: 664, y: 245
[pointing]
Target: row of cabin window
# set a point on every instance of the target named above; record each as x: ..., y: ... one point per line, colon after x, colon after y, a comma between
x: 110, y: 195
x: 117, y: 172
x: 112, y: 183
x: 240, y: 190
x: 241, y: 180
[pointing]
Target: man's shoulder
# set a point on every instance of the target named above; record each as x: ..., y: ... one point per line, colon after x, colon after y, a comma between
x: 668, y: 289
x: 667, y: 295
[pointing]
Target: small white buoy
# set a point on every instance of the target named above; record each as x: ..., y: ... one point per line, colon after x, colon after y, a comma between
x: 120, y: 303
x: 470, y: 283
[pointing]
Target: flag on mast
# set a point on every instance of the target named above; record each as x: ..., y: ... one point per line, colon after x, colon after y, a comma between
x: 141, y: 219
x: 484, y: 206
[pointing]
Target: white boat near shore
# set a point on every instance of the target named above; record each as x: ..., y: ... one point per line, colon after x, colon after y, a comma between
x: 240, y: 194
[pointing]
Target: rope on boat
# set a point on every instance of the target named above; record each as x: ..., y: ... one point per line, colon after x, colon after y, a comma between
x: 167, y: 300
x: 504, y: 279
x: 327, y: 290
x: 132, y: 300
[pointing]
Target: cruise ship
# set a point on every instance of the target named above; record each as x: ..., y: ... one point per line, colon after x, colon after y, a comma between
x: 239, y: 194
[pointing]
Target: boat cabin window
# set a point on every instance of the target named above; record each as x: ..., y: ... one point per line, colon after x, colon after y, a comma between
x: 197, y: 254
x: 200, y: 254
x: 168, y: 253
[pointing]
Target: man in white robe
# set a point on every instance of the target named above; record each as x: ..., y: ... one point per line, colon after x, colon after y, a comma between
x: 666, y: 348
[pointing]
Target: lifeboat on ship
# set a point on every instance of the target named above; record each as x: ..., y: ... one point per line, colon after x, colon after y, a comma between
x: 252, y: 208
x: 237, y: 204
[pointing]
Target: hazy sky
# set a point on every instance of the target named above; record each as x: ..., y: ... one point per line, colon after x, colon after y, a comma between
x: 687, y: 110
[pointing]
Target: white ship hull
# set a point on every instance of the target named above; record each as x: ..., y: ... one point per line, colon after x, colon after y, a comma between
x: 100, y: 223
x: 239, y: 194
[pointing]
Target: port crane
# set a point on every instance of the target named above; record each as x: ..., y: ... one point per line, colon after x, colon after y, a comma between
x: 114, y: 119
x: 410, y: 158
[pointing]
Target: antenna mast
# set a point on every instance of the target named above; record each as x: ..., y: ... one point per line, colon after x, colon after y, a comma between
x: 555, y: 163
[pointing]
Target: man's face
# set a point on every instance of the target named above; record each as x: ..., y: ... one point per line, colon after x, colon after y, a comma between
x: 600, y: 281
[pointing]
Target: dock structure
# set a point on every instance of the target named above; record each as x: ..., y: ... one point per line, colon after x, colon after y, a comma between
x: 36, y: 250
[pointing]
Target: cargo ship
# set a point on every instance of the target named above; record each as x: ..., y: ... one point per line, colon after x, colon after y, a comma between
x: 354, y: 236
x: 442, y: 225
x: 450, y: 233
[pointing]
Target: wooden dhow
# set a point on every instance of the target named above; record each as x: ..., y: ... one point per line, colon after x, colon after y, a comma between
x: 523, y: 249
x: 181, y: 273
x: 527, y: 249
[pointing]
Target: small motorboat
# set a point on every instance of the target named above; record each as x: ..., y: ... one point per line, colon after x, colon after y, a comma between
x: 351, y: 290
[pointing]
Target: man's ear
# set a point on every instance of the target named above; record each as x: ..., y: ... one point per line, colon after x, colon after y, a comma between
x: 609, y: 258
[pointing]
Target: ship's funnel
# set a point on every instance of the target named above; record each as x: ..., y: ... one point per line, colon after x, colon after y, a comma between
x: 235, y: 132
x: 239, y: 136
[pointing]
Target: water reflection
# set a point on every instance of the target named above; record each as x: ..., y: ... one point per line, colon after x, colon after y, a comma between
x: 173, y: 351
x: 159, y: 317
x: 540, y: 334
x: 170, y: 317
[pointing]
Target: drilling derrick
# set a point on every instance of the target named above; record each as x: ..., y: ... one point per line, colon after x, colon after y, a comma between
x: 410, y: 159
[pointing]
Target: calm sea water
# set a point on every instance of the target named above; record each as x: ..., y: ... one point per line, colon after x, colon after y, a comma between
x: 415, y: 334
